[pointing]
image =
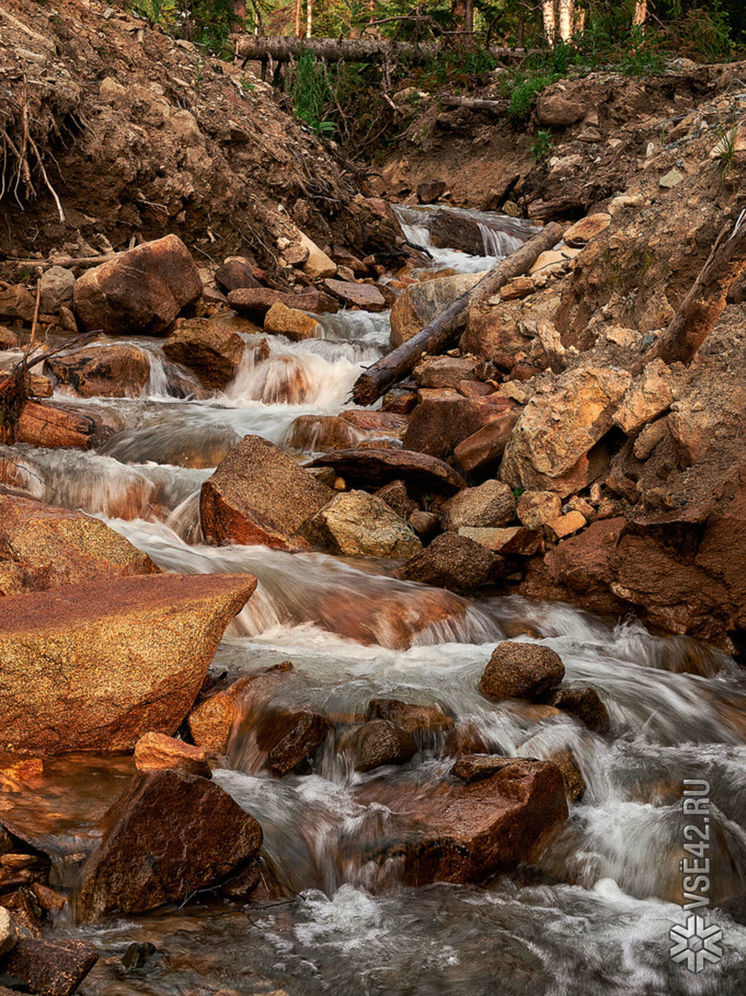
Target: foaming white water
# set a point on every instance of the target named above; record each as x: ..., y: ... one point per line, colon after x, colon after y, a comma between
x: 294, y: 377
x: 497, y: 243
x: 364, y: 327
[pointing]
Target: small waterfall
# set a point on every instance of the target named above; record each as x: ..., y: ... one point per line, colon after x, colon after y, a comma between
x: 498, y: 243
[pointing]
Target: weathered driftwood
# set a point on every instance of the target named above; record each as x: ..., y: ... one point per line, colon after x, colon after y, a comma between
x: 700, y: 309
x: 51, y: 427
x: 436, y: 336
x: 282, y: 49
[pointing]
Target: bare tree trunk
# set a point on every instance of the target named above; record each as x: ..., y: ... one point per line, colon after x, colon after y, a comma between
x: 547, y: 17
x: 372, y: 383
x: 283, y: 49
x: 565, y: 11
x: 702, y: 306
x: 298, y: 7
x: 641, y: 12
x: 469, y: 16
x: 309, y: 18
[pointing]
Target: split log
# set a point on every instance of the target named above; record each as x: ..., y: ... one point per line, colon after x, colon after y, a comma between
x: 54, y: 428
x: 701, y: 308
x: 283, y: 49
x: 439, y: 334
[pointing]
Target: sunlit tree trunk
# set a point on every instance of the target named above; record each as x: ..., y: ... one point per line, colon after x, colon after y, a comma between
x: 547, y: 16
x: 309, y: 18
x: 565, y: 12
x: 641, y: 12
x: 578, y: 22
x: 298, y: 8
x: 469, y: 16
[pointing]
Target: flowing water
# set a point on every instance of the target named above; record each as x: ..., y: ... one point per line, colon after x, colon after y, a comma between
x: 591, y: 916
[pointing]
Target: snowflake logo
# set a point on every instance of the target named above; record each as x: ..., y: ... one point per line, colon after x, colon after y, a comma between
x: 695, y: 943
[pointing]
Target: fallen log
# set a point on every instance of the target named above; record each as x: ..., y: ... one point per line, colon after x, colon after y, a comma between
x: 51, y: 427
x: 497, y: 107
x: 283, y: 49
x: 700, y: 309
x: 436, y: 336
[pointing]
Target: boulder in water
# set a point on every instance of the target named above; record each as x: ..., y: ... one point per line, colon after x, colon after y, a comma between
x: 102, y: 371
x: 139, y: 292
x: 319, y: 433
x: 420, y: 303
x: 583, y: 703
x: 94, y: 666
x: 365, y: 296
x: 357, y: 524
x: 411, y: 717
x: 521, y: 671
x: 376, y: 743
x: 259, y: 495
x: 295, y: 324
x: 255, y: 302
x: 481, y: 236
x: 371, y: 467
x: 157, y: 752
x: 55, y: 968
x: 213, y: 352
x: 453, y: 562
x: 169, y: 835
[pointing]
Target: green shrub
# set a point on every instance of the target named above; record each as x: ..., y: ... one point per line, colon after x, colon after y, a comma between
x: 542, y: 145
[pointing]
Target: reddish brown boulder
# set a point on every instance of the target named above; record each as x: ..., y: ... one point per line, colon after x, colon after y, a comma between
x: 475, y: 767
x: 157, y: 752
x: 288, y: 736
x: 235, y: 273
x: 319, y: 433
x: 376, y: 743
x: 453, y: 832
x: 102, y: 371
x: 212, y: 351
x: 259, y: 495
x: 429, y: 191
x: 93, y: 667
x: 169, y: 835
x: 57, y: 546
x: 410, y: 717
x: 453, y: 562
x: 484, y: 448
x: 54, y: 968
x: 585, y: 704
x: 437, y: 426
x: 521, y: 671
x: 16, y: 302
x: 373, y: 467
x: 140, y: 291
x: 256, y: 302
x: 365, y: 296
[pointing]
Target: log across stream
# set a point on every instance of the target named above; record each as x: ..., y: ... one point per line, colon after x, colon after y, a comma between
x: 592, y: 915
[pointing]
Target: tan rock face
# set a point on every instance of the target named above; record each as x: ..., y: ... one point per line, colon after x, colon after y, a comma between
x: 558, y: 110
x: 553, y: 260
x: 59, y: 547
x: 317, y: 264
x: 213, y: 352
x: 565, y: 525
x: 587, y: 228
x: 647, y: 397
x: 169, y: 834
x: 421, y: 303
x: 514, y: 541
x: 259, y: 495
x: 444, y: 371
x: 102, y: 371
x: 521, y: 671
x: 537, y: 507
x: 358, y: 524
x: 93, y: 667
x: 557, y: 429
x: 295, y: 324
x: 489, y: 504
x: 140, y: 291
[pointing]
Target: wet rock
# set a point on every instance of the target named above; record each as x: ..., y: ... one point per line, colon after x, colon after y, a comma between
x: 93, y: 667
x: 365, y: 296
x: 430, y: 191
x: 558, y: 110
x: 581, y: 233
x: 376, y: 424
x: 371, y: 467
x: 553, y: 261
x: 16, y: 303
x: 448, y: 831
x: 54, y: 968
x: 140, y: 291
x: 484, y: 448
x: 295, y: 324
x: 57, y: 286
x: 288, y: 736
x: 102, y: 371
x: 572, y: 776
x: 422, y: 302
x: 255, y: 303
x: 169, y: 835
x: 471, y: 768
x: 320, y: 433
x: 521, y: 671
x: 548, y: 447
x: 438, y: 425
x: 8, y: 932
x: 376, y: 743
x: 157, y: 752
x: 535, y: 508
x: 235, y: 273
x: 585, y: 704
x: 259, y: 495
x: 445, y: 371
x: 57, y: 546
x: 357, y: 524
x: 647, y: 397
x: 489, y: 504
x: 410, y: 717
x: 453, y: 562
x: 483, y: 237
x: 214, y: 353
